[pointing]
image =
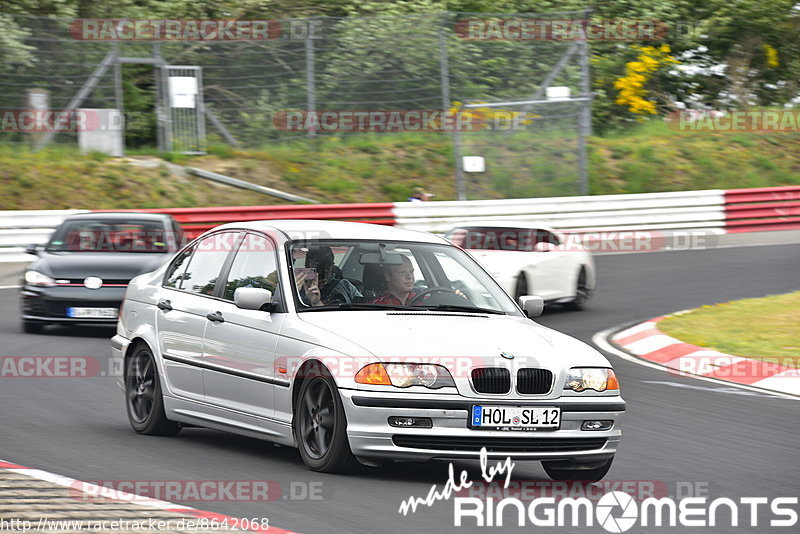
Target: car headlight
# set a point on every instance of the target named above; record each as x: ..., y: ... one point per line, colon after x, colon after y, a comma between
x: 404, y: 375
x: 35, y: 278
x: 598, y: 379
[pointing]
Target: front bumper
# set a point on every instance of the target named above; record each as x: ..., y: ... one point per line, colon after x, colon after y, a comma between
x: 371, y: 436
x: 49, y: 304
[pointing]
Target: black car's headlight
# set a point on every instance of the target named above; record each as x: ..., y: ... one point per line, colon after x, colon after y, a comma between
x: 35, y: 278
x: 404, y: 375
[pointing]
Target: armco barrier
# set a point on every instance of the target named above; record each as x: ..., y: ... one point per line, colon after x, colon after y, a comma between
x: 21, y: 228
x: 769, y: 208
x: 195, y: 221
x: 648, y: 211
x: 718, y: 211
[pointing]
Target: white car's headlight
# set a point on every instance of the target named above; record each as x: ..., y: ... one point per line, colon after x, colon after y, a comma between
x: 35, y: 278
x: 404, y: 375
x: 598, y: 379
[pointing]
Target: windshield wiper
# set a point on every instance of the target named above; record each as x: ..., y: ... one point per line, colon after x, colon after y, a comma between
x: 360, y: 306
x: 455, y: 307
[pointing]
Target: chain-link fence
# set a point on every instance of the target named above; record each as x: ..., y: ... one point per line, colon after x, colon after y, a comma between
x: 435, y: 62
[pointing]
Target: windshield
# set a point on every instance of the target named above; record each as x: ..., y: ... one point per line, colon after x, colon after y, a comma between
x: 358, y: 275
x: 98, y: 235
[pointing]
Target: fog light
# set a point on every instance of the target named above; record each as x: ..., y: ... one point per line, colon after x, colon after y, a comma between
x: 410, y: 422
x: 597, y: 425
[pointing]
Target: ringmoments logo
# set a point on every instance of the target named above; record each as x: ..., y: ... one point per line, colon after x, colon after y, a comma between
x: 616, y: 511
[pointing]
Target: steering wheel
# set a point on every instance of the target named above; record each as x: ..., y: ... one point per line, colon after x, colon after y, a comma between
x: 438, y: 289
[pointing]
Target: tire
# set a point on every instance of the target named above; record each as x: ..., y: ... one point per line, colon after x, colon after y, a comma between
x: 582, y: 293
x: 321, y: 427
x: 143, y: 399
x: 563, y: 471
x: 521, y: 289
x: 30, y: 327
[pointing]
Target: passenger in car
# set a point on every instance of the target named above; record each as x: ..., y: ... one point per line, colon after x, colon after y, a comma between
x: 332, y: 290
x: 308, y: 287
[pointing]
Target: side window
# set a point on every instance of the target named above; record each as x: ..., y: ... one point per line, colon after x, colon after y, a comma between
x: 543, y: 236
x: 175, y: 271
x: 206, y: 263
x: 255, y: 265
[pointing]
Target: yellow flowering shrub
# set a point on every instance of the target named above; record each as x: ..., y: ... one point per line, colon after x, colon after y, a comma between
x: 772, y: 56
x: 631, y: 86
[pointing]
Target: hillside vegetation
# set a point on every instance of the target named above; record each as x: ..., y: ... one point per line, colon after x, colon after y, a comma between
x: 376, y: 168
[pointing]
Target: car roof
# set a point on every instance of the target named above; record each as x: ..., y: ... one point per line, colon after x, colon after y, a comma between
x: 317, y: 229
x: 526, y: 225
x: 117, y: 215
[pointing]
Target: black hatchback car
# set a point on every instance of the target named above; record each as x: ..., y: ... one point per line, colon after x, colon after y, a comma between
x: 82, y: 273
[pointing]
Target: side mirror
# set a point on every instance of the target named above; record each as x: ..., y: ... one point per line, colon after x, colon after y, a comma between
x: 32, y: 249
x: 532, y: 305
x: 543, y: 246
x: 251, y: 298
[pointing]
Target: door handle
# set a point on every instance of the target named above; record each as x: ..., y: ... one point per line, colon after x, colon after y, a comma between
x: 215, y: 317
x: 164, y: 305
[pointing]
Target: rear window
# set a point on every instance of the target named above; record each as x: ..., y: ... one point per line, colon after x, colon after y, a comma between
x: 98, y: 235
x: 492, y: 238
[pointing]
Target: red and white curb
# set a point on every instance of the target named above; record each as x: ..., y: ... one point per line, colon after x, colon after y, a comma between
x: 147, y: 502
x: 647, y: 342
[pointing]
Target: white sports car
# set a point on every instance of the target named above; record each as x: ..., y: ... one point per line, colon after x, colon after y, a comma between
x: 531, y: 260
x: 359, y: 343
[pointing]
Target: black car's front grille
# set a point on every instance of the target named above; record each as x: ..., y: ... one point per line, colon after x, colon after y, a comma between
x: 491, y: 380
x: 58, y: 308
x: 459, y: 443
x: 534, y: 381
x: 106, y: 281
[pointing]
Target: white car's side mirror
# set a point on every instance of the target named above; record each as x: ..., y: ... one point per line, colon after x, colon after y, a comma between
x: 251, y: 298
x: 532, y: 305
x: 543, y: 246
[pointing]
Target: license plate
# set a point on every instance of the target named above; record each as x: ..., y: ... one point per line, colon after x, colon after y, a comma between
x: 92, y: 313
x: 515, y: 417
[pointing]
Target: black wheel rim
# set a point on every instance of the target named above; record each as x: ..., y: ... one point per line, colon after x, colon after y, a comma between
x: 318, y: 419
x: 141, y: 386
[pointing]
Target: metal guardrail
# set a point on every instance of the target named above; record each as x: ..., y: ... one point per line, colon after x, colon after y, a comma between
x: 198, y: 220
x: 767, y: 208
x: 21, y: 228
x: 648, y: 211
x: 242, y: 184
x: 719, y: 211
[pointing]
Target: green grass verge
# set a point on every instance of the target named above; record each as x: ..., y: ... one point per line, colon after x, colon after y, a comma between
x: 765, y: 328
x: 388, y: 167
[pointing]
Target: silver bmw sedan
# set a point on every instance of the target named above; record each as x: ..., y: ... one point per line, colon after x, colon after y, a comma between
x: 359, y: 343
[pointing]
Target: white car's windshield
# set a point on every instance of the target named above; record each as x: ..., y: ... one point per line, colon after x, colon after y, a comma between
x: 359, y: 275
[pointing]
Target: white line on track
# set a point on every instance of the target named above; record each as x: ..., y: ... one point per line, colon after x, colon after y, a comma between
x: 600, y: 339
x: 10, y: 287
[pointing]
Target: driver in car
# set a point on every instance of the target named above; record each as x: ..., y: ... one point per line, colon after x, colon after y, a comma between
x: 400, y: 284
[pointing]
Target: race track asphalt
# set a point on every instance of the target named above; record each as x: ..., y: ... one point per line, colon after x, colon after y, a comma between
x: 676, y: 430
